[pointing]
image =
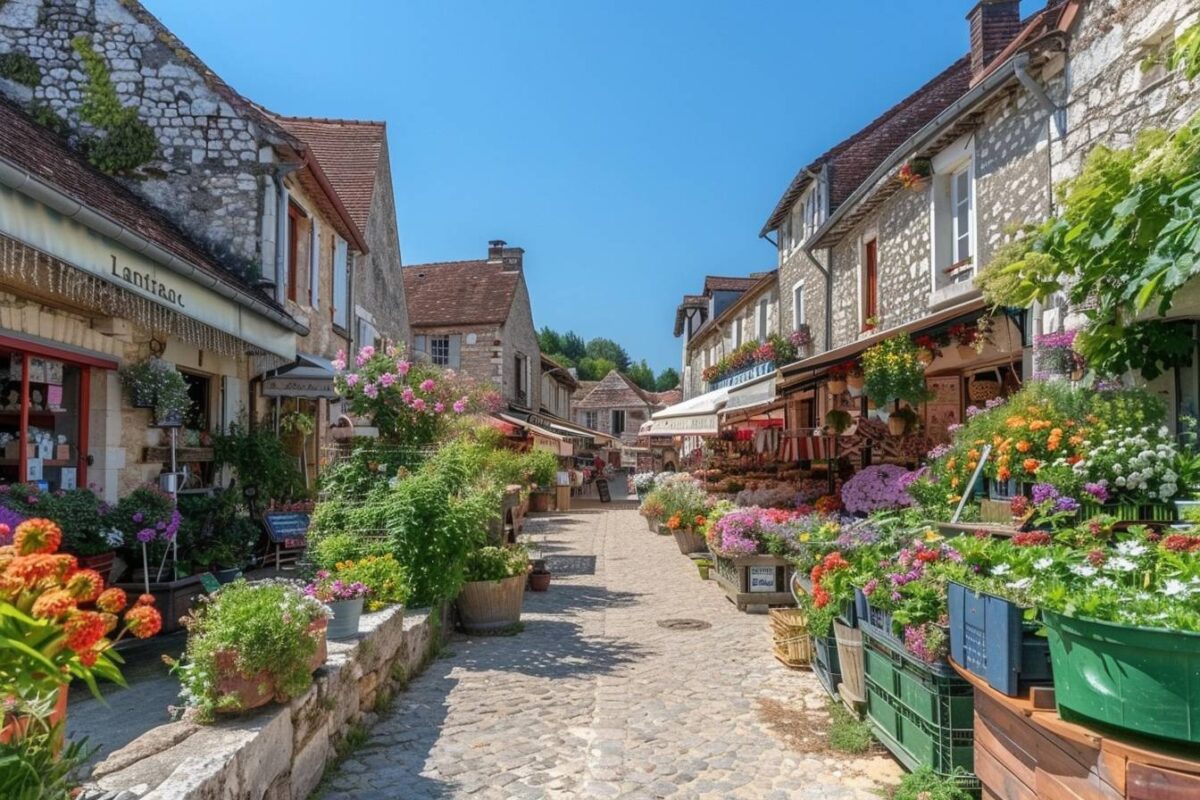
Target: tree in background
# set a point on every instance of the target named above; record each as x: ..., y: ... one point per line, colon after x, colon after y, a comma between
x: 641, y: 374
x: 610, y: 350
x: 667, y: 379
x: 594, y: 369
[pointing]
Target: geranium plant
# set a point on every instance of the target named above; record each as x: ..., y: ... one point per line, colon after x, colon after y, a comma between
x: 331, y: 588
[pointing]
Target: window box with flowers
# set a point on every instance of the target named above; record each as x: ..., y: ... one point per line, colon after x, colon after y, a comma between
x: 748, y: 573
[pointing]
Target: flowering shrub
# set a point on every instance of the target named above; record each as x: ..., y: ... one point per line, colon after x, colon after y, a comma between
x: 384, y: 576
x: 876, y: 488
x: 329, y: 588
x: 409, y: 401
x: 643, y: 482
x: 892, y: 371
x: 682, y: 495
x: 57, y: 619
x: 1130, y: 464
x: 1053, y: 354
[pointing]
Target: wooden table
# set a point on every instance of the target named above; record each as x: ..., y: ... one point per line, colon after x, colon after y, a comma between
x: 1025, y: 751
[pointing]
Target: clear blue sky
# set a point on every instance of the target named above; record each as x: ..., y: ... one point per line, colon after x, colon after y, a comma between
x: 631, y: 147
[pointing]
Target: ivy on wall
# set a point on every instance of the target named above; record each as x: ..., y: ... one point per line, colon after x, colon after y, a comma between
x: 126, y: 142
x: 21, y: 68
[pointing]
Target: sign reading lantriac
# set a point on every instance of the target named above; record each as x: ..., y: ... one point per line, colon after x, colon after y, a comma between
x: 147, y: 283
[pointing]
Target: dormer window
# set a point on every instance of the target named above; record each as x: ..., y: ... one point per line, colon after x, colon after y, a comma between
x: 805, y: 217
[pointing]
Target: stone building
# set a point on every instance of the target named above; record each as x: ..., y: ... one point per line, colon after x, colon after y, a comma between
x: 559, y: 385
x: 616, y: 406
x: 475, y: 317
x: 711, y: 331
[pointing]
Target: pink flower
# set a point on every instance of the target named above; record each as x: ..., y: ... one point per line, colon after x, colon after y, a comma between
x: 371, y: 390
x: 365, y: 355
x: 427, y: 385
x: 439, y: 407
x: 407, y: 395
x: 352, y: 380
x: 339, y: 363
x: 460, y: 406
x: 403, y: 367
x: 387, y: 379
x: 418, y: 404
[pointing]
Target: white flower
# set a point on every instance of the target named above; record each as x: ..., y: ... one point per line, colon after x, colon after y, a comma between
x: 1043, y: 563
x: 1023, y: 583
x: 1084, y: 570
x: 1117, y: 468
x: 1120, y: 564
x: 1131, y: 548
x: 1175, y: 588
x: 1120, y: 481
x: 1001, y: 570
x: 1104, y: 583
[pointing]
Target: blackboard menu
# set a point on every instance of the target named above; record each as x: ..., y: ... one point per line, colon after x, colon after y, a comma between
x: 602, y: 488
x: 287, y: 527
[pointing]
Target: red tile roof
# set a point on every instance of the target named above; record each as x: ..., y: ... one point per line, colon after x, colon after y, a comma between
x: 41, y: 153
x: 349, y: 151
x: 459, y: 293
x: 669, y: 398
x: 717, y: 283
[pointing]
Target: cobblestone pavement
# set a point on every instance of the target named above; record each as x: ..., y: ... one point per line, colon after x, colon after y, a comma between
x: 594, y: 699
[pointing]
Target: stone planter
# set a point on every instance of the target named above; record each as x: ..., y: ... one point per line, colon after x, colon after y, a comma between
x: 344, y: 622
x: 491, y: 606
x: 755, y: 582
x: 254, y: 691
x: 690, y: 542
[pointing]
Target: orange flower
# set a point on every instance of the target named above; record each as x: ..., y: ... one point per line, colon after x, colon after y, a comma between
x: 973, y: 454
x: 84, y: 629
x: 112, y: 600
x: 1075, y: 440
x: 33, y: 569
x: 1015, y: 422
x: 1004, y: 473
x: 111, y: 621
x: 1031, y: 464
x: 674, y: 522
x: 1023, y: 446
x: 85, y: 585
x: 1073, y: 460
x: 53, y: 604
x: 145, y: 600
x: 700, y: 520
x: 143, y: 621
x: 37, y: 536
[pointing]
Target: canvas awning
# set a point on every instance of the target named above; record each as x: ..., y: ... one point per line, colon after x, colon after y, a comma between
x: 309, y: 376
x: 697, y: 416
x: 543, y: 439
x: 751, y: 395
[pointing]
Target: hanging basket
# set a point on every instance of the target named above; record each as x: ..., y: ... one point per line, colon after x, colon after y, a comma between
x: 897, y: 425
x: 854, y: 385
x: 141, y: 397
x: 837, y: 387
x: 925, y: 356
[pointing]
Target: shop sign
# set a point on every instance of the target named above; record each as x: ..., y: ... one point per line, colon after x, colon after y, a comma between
x: 751, y: 396
x: 148, y: 283
x: 699, y: 424
x: 762, y: 579
x: 283, y: 386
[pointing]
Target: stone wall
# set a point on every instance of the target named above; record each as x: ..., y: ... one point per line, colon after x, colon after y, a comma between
x: 479, y: 359
x: 519, y: 335
x: 279, y: 752
x: 207, y: 173
x: 378, y: 284
x: 796, y: 267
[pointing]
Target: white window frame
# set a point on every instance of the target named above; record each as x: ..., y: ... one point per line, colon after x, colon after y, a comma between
x: 957, y: 179
x: 590, y: 419
x: 798, y: 317
x: 762, y: 315
x: 436, y: 342
x: 954, y: 160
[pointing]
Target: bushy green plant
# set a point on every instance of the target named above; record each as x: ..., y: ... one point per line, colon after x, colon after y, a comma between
x: 267, y: 625
x: 215, y: 532
x: 258, y: 458
x: 541, y: 466
x: 925, y: 784
x: 127, y: 142
x: 21, y: 68
x: 30, y: 767
x: 382, y: 574
x: 326, y: 552
x: 892, y: 371
x: 496, y: 563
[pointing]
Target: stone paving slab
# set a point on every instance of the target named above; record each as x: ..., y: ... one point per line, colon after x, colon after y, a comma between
x: 595, y: 699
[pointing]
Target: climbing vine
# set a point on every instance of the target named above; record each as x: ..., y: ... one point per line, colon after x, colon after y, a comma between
x: 127, y: 142
x: 21, y: 68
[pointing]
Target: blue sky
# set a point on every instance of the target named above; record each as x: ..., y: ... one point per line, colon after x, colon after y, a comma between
x: 630, y: 147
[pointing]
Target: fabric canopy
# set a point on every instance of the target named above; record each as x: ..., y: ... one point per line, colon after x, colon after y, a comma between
x: 696, y: 416
x: 309, y: 376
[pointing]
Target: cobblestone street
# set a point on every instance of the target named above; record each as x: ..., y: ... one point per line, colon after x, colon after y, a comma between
x: 595, y: 699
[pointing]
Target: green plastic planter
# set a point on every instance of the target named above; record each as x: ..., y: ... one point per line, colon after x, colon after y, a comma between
x: 1141, y: 679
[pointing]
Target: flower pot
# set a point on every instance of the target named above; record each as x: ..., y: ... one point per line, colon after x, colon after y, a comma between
x: 836, y: 387
x: 1140, y: 679
x: 539, y: 501
x: 228, y: 575
x: 490, y: 606
x: 703, y: 567
x: 897, y: 425
x: 254, y: 691
x: 539, y: 581
x: 854, y: 385
x: 102, y: 563
x: 966, y: 352
x: 344, y: 622
x: 690, y: 542
x: 925, y: 356
x: 14, y: 727
x: 652, y: 524
x: 662, y: 530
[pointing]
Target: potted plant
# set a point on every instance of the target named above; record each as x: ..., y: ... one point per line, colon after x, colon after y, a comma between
x: 966, y: 339
x: 56, y: 622
x: 385, y: 578
x: 249, y: 644
x: 686, y: 532
x: 343, y: 598
x: 652, y: 509
x: 171, y: 402
x: 928, y: 349
x: 539, y: 577
x: 490, y: 598
x: 837, y: 377
x: 154, y: 383
x: 837, y: 421
x: 893, y: 372
x: 855, y: 381
x: 141, y: 381
x: 296, y: 427
x: 903, y: 421
x: 915, y: 174
x: 1054, y: 355
x: 542, y: 466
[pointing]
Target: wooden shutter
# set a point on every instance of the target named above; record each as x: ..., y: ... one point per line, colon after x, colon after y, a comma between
x: 341, y: 285
x: 455, y: 351
x: 419, y: 344
x: 314, y: 266
x: 871, y: 280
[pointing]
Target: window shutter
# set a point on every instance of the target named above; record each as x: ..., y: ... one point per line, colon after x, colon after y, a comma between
x: 419, y: 344
x: 314, y: 267
x: 341, y: 285
x: 455, y: 350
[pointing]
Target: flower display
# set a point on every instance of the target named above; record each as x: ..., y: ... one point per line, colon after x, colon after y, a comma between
x: 1131, y: 464
x: 892, y: 371
x: 329, y: 588
x: 876, y: 488
x: 1053, y: 354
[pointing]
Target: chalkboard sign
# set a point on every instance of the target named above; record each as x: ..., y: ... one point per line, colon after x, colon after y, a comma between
x: 209, y: 582
x: 287, y: 527
x: 602, y: 488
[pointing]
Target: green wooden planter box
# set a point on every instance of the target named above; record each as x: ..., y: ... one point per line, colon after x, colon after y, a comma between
x: 1141, y: 679
x: 1129, y: 512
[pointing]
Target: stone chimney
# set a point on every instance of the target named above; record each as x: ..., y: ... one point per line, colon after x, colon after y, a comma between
x: 500, y: 253
x: 994, y: 24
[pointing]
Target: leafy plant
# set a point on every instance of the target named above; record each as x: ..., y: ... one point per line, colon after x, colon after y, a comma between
x: 382, y: 574
x: 496, y: 563
x: 327, y: 551
x: 925, y: 784
x: 892, y: 371
x: 127, y: 142
x: 31, y: 768
x: 159, y: 383
x: 267, y: 626
x: 21, y: 68
x: 847, y: 733
x: 258, y: 458
x: 541, y: 466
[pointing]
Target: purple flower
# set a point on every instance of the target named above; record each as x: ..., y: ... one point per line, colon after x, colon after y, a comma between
x: 139, y: 516
x: 1097, y: 491
x: 146, y: 535
x: 1044, y: 493
x: 1066, y: 505
x: 974, y: 411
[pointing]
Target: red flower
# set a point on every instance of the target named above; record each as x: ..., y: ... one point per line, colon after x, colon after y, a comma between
x: 37, y: 536
x: 143, y: 621
x: 112, y: 600
x: 83, y: 630
x: 53, y: 604
x: 1031, y: 538
x: 85, y: 585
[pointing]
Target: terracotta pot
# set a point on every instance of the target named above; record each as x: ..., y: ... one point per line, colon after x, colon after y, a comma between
x: 896, y: 425
x: 690, y: 542
x: 539, y: 581
x: 854, y: 385
x: 836, y: 387
x: 254, y: 691
x: 489, y: 606
x: 15, y: 727
x: 539, y: 501
x: 966, y: 352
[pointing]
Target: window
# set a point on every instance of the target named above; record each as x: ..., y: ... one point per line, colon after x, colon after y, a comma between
x: 341, y: 284
x: 764, y: 306
x: 520, y: 379
x: 960, y: 204
x: 798, y: 305
x: 737, y: 333
x: 870, y: 281
x: 198, y: 388
x: 952, y: 220
x: 293, y: 252
x: 439, y: 350
x: 618, y: 421
x: 589, y: 420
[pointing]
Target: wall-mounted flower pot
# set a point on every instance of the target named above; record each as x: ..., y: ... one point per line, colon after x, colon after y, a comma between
x: 897, y: 425
x: 836, y: 387
x: 344, y: 622
x: 854, y: 385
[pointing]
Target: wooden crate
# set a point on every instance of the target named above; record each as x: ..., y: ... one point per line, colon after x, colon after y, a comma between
x: 737, y: 575
x: 791, y: 641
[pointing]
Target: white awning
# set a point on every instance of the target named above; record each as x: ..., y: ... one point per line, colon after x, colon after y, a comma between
x: 751, y: 395
x: 694, y: 417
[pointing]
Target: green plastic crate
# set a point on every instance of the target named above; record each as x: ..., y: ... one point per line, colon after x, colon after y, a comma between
x: 937, y: 700
x: 915, y: 743
x: 825, y: 664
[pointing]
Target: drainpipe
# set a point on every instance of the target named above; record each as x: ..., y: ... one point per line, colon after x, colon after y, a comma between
x: 281, y: 231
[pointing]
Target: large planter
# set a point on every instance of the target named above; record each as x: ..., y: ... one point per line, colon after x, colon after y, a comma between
x: 690, y: 542
x: 990, y: 638
x: 853, y: 688
x: 539, y: 501
x: 1140, y: 679
x: 491, y: 606
x: 344, y: 622
x: 258, y: 689
x: 755, y: 582
x: 102, y: 563
x: 173, y: 599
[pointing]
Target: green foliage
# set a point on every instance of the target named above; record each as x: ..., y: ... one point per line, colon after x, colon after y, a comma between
x: 667, y: 379
x: 891, y: 371
x: 594, y: 369
x: 258, y: 458
x: 79, y: 512
x: 847, y: 733
x: 642, y: 375
x: 327, y: 551
x: 266, y: 624
x: 48, y: 118
x: 496, y: 563
x: 608, y: 350
x: 925, y: 784
x: 157, y: 383
x: 21, y: 68
x: 127, y: 142
x: 541, y: 466
x: 1000, y: 286
x: 1186, y: 52
x: 29, y: 768
x: 215, y: 533
x: 382, y: 574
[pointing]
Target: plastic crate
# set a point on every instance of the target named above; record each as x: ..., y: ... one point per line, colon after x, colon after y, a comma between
x: 825, y: 664
x: 875, y: 621
x: 989, y: 637
x: 915, y: 743
x: 938, y: 699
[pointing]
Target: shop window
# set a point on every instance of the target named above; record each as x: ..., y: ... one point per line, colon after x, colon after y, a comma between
x: 870, y: 281
x: 199, y: 392
x: 43, y: 421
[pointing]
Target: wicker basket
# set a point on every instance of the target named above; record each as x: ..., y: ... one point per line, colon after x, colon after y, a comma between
x: 983, y: 389
x: 792, y: 642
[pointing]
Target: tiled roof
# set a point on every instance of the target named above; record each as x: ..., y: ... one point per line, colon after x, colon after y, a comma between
x: 560, y: 373
x: 717, y: 283
x: 759, y: 282
x: 615, y: 391
x: 38, y: 151
x: 669, y: 397
x: 349, y: 152
x: 459, y: 293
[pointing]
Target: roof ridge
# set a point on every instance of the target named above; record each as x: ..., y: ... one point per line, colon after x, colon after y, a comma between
x: 378, y: 123
x: 447, y: 263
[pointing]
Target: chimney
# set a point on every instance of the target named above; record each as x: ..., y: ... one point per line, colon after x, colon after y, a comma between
x: 500, y: 253
x: 994, y: 24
